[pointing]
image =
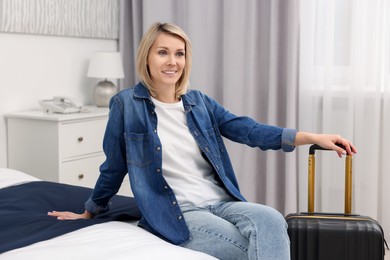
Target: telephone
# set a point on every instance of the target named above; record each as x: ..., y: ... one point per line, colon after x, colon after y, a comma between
x: 59, y: 104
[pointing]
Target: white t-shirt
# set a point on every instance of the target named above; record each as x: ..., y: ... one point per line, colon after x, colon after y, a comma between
x: 190, y: 176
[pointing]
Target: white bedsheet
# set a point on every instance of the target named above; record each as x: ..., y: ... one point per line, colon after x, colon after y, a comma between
x: 108, y: 241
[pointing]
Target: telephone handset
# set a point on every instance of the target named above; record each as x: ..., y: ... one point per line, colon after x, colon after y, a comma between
x: 58, y: 104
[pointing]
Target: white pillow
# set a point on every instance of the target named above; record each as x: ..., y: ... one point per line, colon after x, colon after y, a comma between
x: 10, y: 177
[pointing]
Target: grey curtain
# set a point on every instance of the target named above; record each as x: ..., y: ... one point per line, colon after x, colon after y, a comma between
x: 130, y: 33
x: 245, y: 55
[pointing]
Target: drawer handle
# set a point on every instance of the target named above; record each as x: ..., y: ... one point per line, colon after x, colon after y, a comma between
x: 80, y: 139
x: 81, y: 176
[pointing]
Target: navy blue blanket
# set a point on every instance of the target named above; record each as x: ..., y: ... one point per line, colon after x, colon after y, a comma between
x: 24, y: 219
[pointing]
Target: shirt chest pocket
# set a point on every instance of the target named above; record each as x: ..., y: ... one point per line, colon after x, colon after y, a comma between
x: 139, y: 149
x: 215, y: 141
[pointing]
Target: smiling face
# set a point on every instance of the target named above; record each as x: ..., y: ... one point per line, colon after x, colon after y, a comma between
x: 166, y: 61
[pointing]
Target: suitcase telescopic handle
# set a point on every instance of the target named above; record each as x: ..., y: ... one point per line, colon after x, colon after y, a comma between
x: 311, y: 182
x: 314, y: 147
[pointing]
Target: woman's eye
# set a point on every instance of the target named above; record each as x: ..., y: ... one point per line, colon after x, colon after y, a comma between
x: 162, y: 53
x: 180, y: 54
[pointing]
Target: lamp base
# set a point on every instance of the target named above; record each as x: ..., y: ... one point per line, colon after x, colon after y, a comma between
x: 103, y: 93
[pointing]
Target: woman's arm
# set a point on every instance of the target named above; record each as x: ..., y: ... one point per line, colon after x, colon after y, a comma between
x: 112, y: 170
x: 327, y: 141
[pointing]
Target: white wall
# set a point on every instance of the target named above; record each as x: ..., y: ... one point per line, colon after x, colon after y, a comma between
x: 34, y: 67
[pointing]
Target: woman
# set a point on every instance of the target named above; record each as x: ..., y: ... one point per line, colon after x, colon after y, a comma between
x: 169, y: 140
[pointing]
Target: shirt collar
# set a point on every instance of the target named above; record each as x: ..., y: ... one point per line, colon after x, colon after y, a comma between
x: 140, y: 91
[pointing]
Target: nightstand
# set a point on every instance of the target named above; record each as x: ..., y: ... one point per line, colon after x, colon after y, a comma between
x: 64, y: 148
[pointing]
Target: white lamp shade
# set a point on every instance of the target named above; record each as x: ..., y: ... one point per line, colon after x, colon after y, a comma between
x: 106, y: 65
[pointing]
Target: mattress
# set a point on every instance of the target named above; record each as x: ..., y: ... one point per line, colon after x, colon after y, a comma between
x: 109, y: 240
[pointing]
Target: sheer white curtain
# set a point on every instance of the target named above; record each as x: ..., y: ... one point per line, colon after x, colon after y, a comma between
x: 344, y: 88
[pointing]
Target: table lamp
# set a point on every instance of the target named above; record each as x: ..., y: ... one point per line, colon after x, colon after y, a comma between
x: 105, y: 65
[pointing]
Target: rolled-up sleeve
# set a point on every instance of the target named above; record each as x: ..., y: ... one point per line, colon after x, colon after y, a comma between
x: 96, y: 209
x: 288, y: 138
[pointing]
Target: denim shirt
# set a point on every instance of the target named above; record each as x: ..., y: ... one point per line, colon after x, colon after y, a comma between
x: 132, y: 146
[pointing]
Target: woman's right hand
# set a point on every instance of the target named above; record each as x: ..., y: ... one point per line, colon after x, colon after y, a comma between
x: 67, y: 215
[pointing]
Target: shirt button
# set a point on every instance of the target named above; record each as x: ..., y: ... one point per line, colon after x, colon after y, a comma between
x: 155, y: 130
x: 173, y: 202
x: 152, y: 112
x: 158, y: 170
x: 207, y: 149
x: 158, y: 148
x: 166, y: 187
x: 180, y: 217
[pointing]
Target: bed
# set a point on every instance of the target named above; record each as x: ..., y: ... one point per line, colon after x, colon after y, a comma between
x: 116, y: 238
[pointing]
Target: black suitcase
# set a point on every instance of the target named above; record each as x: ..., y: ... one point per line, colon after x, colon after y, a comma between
x: 328, y: 236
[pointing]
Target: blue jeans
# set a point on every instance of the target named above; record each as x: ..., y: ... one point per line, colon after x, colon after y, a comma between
x: 238, y: 230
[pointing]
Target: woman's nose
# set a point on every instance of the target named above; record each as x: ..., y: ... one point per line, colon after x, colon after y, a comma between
x: 171, y: 60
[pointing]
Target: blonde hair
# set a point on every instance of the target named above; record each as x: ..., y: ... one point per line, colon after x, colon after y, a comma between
x: 143, y: 53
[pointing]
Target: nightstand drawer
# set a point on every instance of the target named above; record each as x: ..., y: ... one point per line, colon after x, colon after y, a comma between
x: 81, y: 172
x: 79, y: 138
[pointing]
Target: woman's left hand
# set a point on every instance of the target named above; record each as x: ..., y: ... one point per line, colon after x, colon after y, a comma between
x: 327, y: 141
